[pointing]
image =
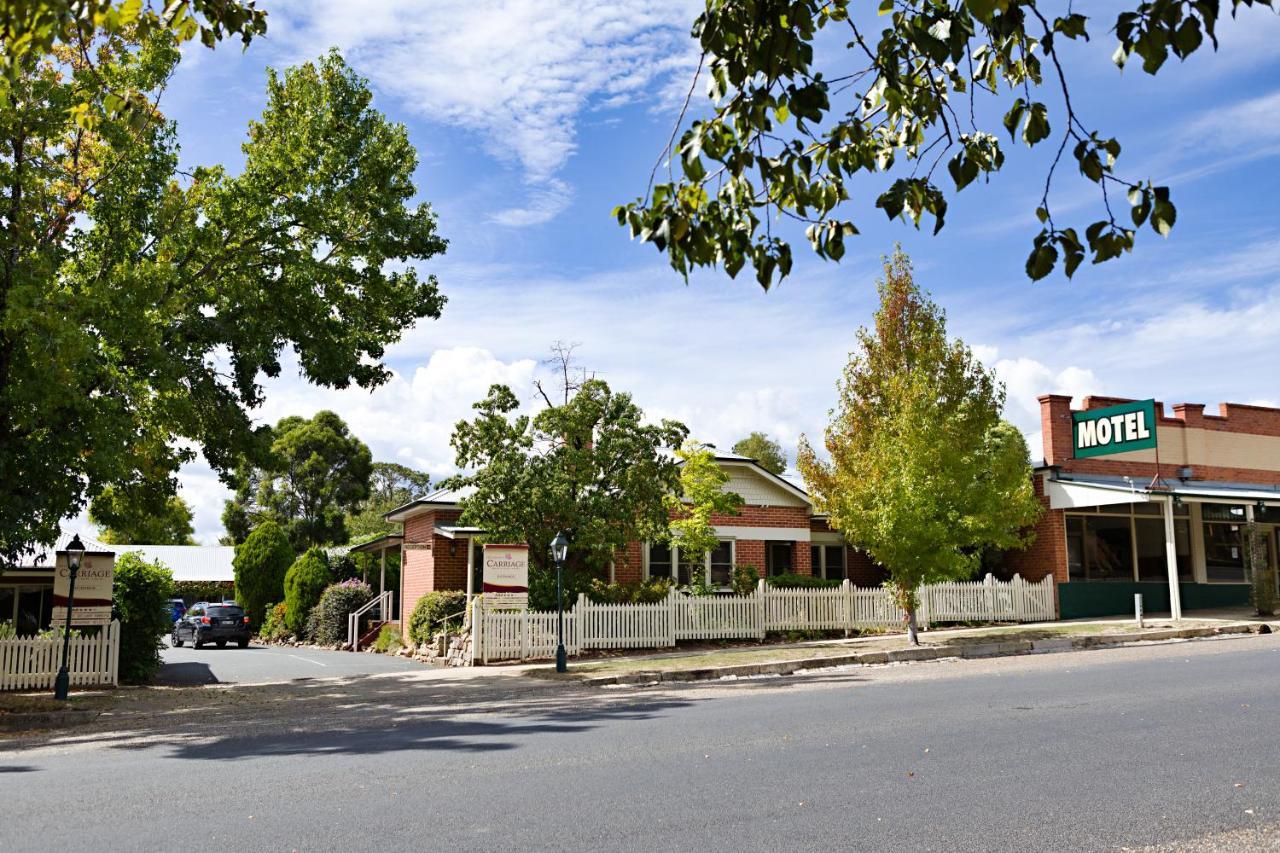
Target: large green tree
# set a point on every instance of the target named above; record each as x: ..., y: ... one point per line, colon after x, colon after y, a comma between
x: 801, y: 134
x: 260, y: 564
x: 390, y: 485
x: 767, y: 452
x: 151, y: 518
x: 588, y: 466
x: 141, y: 305
x: 923, y: 474
x: 312, y: 474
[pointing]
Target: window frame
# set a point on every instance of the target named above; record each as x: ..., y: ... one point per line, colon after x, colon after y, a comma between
x: 706, y: 562
x: 1181, y: 516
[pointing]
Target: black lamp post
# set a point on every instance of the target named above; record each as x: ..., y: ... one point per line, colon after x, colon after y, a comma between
x: 75, y: 552
x: 559, y: 550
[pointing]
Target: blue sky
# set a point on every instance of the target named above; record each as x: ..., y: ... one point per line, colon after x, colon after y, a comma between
x: 532, y: 119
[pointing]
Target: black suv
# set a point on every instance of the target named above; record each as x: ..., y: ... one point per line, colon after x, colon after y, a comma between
x: 212, y: 623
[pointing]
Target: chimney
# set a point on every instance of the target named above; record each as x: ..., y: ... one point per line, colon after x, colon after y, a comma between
x: 1055, y: 425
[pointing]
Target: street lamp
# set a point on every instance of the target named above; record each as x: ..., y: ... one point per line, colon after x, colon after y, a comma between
x: 75, y: 552
x: 560, y: 550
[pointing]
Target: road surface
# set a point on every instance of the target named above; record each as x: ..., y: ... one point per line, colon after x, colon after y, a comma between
x: 1167, y: 744
x: 257, y: 664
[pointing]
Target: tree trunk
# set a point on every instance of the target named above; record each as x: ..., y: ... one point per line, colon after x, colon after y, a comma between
x: 912, y: 634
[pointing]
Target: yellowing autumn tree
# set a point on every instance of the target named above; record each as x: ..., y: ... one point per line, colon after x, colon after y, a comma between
x: 923, y: 474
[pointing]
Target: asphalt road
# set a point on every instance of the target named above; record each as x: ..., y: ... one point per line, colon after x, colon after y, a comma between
x: 1081, y: 751
x: 257, y: 664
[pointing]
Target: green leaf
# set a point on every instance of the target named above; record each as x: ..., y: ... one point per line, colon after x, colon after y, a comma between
x: 1041, y: 261
x: 1163, y: 216
x: 1014, y: 116
x: 1037, y: 125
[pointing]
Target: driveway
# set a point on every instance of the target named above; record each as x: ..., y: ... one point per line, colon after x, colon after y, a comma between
x: 258, y: 664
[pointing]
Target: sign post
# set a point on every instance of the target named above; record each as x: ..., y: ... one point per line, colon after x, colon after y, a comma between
x: 506, y: 577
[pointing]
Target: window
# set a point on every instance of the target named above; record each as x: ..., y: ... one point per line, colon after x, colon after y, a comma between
x: 1223, y: 551
x: 722, y: 564
x: 8, y: 597
x: 1126, y: 543
x: 717, y: 566
x: 827, y: 561
x: 659, y: 560
x: 777, y: 558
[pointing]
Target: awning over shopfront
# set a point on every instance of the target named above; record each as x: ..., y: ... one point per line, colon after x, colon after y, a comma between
x: 1078, y: 491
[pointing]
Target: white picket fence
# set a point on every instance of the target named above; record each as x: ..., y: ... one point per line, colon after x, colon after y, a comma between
x: 32, y: 663
x: 522, y: 635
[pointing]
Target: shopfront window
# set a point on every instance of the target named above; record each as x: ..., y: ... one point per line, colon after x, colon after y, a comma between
x: 1224, y: 552
x: 1125, y: 543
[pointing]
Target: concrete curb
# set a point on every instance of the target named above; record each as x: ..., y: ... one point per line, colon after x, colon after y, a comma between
x: 46, y: 720
x: 996, y: 648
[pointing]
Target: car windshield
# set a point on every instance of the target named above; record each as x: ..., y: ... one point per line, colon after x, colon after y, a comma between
x: 225, y: 611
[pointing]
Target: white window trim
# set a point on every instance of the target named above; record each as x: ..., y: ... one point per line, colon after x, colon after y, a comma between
x: 706, y: 560
x: 820, y: 570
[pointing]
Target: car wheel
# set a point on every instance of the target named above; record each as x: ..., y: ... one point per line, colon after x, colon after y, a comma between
x: 176, y: 641
x: 244, y: 644
x: 222, y: 644
x: 196, y: 642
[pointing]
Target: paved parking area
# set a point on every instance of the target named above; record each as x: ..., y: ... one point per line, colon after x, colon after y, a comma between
x: 257, y: 664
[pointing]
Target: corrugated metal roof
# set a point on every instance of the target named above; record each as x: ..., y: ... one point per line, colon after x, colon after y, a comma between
x: 189, y: 562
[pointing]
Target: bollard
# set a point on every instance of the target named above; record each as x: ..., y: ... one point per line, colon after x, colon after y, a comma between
x: 1137, y: 609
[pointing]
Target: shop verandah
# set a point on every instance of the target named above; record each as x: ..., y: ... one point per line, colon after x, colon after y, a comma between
x: 1121, y: 537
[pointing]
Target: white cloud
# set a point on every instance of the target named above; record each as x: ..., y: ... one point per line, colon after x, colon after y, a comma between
x: 518, y: 73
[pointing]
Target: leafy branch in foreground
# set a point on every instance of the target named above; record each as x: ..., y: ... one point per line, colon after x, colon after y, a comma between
x: 786, y: 140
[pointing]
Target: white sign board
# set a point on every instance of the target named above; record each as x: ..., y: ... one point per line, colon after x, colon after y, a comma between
x: 92, y: 605
x: 506, y: 576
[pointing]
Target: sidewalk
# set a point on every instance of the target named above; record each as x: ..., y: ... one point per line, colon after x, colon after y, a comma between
x: 782, y: 659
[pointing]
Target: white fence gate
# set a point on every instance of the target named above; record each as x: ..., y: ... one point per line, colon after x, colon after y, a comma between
x: 520, y: 635
x: 32, y: 663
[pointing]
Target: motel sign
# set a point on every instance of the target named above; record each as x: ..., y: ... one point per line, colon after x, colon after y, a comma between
x: 1114, y: 429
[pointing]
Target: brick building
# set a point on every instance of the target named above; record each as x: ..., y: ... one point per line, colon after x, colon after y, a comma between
x: 776, y: 530
x: 1103, y: 535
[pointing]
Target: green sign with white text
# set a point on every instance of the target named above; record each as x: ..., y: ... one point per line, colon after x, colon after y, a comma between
x: 1115, y: 429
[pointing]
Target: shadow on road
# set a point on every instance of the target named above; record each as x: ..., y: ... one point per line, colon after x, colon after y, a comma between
x: 17, y: 768
x: 186, y: 673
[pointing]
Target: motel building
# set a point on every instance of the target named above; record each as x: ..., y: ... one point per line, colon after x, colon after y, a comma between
x: 1133, y: 498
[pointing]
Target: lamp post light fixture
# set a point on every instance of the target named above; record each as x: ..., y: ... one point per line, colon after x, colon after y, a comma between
x: 560, y: 550
x: 75, y: 553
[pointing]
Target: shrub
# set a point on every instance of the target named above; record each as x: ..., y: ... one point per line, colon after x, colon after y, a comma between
x: 746, y: 578
x: 7, y: 631
x: 304, y: 583
x: 645, y: 591
x: 430, y: 609
x: 260, y: 564
x: 275, y: 627
x: 1263, y: 595
x: 141, y: 603
x: 792, y: 581
x: 338, y: 602
x: 388, y: 641
x: 193, y: 591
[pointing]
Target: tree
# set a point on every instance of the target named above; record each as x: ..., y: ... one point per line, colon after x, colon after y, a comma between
x: 122, y: 520
x: 700, y: 496
x: 313, y: 473
x: 923, y: 474
x: 141, y: 305
x: 140, y: 600
x: 260, y: 564
x: 792, y: 130
x: 589, y: 466
x: 764, y: 450
x: 304, y: 583
x: 390, y: 485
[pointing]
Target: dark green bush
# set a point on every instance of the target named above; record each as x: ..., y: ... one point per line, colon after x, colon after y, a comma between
x: 193, y: 591
x: 647, y: 591
x: 542, y: 586
x: 141, y: 602
x: 261, y: 563
x: 430, y: 609
x: 304, y: 583
x: 337, y: 602
x: 746, y: 578
x: 791, y: 581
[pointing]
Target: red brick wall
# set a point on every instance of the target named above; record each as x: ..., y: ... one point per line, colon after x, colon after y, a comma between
x: 425, y: 560
x: 628, y: 564
x: 1055, y: 422
x: 862, y: 570
x: 766, y: 516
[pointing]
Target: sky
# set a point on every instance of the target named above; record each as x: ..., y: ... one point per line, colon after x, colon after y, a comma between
x: 533, y: 118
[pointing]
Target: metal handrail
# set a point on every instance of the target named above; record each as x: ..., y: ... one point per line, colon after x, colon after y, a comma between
x: 382, y: 601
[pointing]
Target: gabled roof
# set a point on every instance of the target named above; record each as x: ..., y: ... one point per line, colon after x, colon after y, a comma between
x: 763, y: 472
x: 440, y: 498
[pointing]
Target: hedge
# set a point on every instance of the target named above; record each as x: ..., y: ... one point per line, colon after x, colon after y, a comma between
x: 141, y: 596
x: 304, y: 583
x: 430, y: 609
